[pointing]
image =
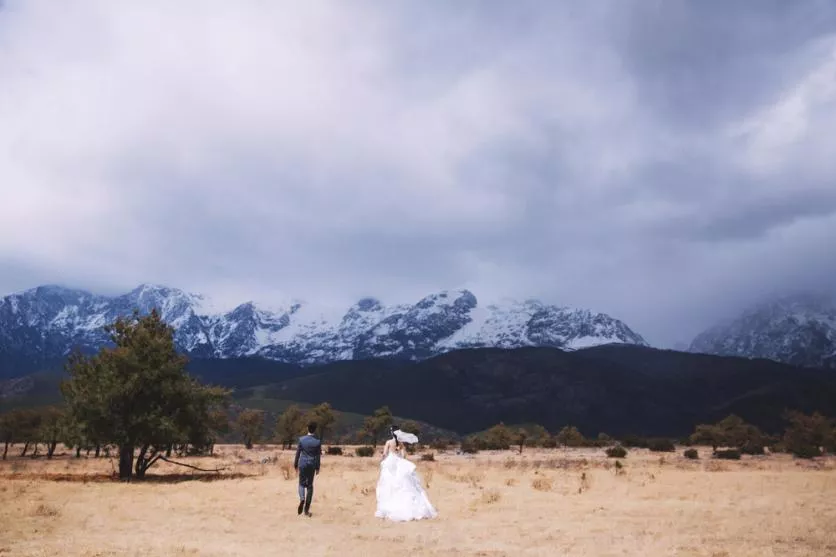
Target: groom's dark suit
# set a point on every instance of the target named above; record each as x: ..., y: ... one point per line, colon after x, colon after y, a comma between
x: 307, y: 462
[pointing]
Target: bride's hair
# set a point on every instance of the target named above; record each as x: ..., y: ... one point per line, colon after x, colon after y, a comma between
x: 392, y: 429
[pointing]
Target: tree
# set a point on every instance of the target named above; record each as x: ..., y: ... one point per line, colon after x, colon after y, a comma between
x: 569, y: 436
x: 136, y: 394
x: 324, y: 416
x: 250, y: 423
x: 218, y: 426
x: 522, y: 435
x: 498, y: 437
x: 705, y: 434
x: 731, y: 431
x: 12, y: 426
x: 28, y: 425
x: 51, y: 430
x: 289, y: 426
x: 806, y: 435
x: 375, y: 426
x: 538, y: 435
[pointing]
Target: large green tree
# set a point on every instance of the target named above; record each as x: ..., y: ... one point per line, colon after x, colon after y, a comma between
x: 137, y: 395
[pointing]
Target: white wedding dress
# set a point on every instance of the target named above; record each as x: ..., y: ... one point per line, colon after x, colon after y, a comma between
x: 400, y: 495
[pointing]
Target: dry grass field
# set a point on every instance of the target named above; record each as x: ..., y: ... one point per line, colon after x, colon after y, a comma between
x: 559, y: 502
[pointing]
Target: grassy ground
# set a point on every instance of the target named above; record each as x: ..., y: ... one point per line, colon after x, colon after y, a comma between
x: 560, y: 502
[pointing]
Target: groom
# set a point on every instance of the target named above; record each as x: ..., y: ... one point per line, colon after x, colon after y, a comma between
x: 307, y: 463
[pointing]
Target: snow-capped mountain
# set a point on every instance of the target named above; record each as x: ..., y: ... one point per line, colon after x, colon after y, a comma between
x: 48, y: 321
x: 798, y: 329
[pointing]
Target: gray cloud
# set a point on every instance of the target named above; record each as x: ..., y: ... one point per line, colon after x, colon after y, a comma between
x: 665, y: 162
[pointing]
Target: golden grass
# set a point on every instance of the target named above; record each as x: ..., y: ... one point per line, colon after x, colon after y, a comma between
x: 560, y: 502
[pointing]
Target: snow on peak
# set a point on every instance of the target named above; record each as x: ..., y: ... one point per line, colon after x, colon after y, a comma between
x: 798, y: 329
x: 301, y: 332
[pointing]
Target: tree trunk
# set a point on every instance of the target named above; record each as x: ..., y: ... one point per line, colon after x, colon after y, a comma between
x: 5, y: 450
x: 25, y: 448
x: 168, y: 452
x: 126, y: 460
x: 145, y: 461
x: 50, y: 449
x: 98, y: 449
x: 140, y: 459
x: 78, y: 452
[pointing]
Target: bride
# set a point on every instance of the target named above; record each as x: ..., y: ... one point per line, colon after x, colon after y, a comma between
x: 400, y: 495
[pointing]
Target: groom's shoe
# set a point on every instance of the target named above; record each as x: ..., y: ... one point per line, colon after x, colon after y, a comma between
x: 308, y: 514
x: 301, y: 506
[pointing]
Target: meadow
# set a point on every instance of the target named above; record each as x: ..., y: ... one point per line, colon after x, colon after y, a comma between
x: 543, y: 502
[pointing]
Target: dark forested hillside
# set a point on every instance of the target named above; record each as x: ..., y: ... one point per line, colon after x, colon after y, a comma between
x: 618, y: 389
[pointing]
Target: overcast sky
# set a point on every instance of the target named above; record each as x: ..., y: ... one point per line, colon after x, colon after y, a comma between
x: 665, y: 162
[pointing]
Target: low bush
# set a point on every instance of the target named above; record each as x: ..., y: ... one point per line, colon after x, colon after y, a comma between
x: 617, y: 452
x: 336, y: 451
x: 728, y: 454
x: 806, y: 451
x: 469, y: 446
x: 440, y: 445
x: 634, y: 442
x: 661, y: 445
x: 752, y: 449
x: 428, y: 457
x: 549, y: 443
x: 691, y: 454
x: 364, y: 451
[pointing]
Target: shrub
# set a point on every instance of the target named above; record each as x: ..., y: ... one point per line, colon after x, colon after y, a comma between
x: 337, y: 451
x: 691, y: 454
x: 469, y: 446
x: 617, y: 452
x: 569, y: 436
x: 364, y: 451
x: 752, y: 448
x: 635, y: 442
x: 806, y: 451
x: 542, y: 484
x: 440, y: 444
x: 778, y: 447
x: 728, y: 454
x: 549, y: 443
x: 428, y: 457
x: 661, y: 445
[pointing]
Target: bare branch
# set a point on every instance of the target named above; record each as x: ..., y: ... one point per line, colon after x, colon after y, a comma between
x: 193, y: 467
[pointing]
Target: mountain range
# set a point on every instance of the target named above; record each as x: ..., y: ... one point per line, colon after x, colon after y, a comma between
x: 44, y: 324
x: 798, y: 329
x: 40, y: 326
x: 447, y: 360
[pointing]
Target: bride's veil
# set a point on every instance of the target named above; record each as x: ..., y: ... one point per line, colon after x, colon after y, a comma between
x: 405, y: 437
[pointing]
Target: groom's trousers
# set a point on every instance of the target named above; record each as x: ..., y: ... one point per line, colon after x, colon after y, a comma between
x: 306, y: 481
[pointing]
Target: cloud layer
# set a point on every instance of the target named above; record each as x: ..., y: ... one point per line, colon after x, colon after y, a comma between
x: 665, y: 162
